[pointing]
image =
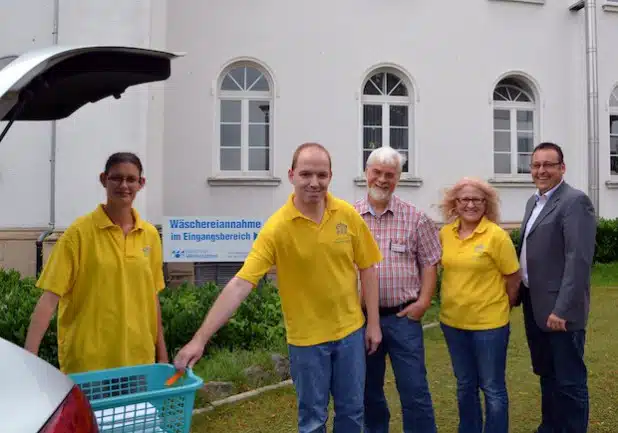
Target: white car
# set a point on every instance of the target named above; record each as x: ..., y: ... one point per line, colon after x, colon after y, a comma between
x: 52, y: 84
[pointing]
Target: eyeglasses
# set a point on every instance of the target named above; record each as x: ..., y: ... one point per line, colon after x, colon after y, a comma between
x: 538, y: 165
x: 130, y: 180
x: 475, y: 201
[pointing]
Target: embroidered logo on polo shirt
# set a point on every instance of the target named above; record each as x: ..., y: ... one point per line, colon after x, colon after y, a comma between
x: 146, y: 250
x: 342, y: 229
x: 478, y: 249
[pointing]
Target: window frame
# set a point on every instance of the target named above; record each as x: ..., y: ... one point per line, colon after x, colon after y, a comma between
x: 386, y: 101
x: 245, y: 96
x: 612, y: 111
x: 513, y: 107
x: 610, y: 6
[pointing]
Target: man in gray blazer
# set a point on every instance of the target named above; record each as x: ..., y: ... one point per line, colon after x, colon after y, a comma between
x: 556, y: 251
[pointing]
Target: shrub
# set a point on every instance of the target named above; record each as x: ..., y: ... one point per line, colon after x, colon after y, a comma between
x: 607, y: 241
x: 515, y: 236
x: 18, y: 297
x: 257, y: 323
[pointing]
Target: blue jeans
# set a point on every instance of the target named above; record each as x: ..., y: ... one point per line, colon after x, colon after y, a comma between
x: 479, y: 362
x: 402, y: 340
x: 336, y: 368
x: 558, y: 359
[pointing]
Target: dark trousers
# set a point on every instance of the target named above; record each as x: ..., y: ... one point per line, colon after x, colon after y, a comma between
x: 558, y: 359
x: 402, y: 341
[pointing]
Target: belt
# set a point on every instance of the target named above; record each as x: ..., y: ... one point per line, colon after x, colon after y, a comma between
x: 389, y: 311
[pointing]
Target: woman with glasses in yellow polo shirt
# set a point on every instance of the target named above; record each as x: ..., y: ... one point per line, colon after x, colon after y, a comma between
x: 104, y: 275
x: 480, y: 280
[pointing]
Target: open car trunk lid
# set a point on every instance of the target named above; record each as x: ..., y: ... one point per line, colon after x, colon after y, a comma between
x: 53, y: 83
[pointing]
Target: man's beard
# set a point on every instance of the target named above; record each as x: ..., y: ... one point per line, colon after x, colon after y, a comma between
x: 378, y: 194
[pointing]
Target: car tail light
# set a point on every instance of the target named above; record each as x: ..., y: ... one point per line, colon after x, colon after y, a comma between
x: 73, y: 415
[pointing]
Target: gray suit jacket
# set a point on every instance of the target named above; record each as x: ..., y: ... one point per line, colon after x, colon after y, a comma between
x: 559, y: 251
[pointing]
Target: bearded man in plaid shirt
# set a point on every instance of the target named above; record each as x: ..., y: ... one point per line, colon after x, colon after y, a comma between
x: 410, y: 245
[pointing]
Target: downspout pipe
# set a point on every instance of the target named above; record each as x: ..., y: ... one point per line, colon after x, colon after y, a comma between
x: 592, y: 85
x: 52, y: 162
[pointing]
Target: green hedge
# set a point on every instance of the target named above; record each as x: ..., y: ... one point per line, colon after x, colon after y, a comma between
x: 257, y: 323
x: 18, y: 297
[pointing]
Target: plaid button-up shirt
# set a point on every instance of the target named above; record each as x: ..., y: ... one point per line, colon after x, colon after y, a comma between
x: 409, y: 240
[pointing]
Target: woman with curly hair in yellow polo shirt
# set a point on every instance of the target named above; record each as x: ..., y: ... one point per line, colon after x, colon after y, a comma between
x: 104, y: 275
x: 480, y: 281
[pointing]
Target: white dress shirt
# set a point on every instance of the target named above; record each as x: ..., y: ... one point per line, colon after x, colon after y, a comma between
x: 541, y: 201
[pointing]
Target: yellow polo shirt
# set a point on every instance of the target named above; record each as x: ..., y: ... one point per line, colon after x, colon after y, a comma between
x: 107, y: 283
x: 316, y: 269
x: 473, y: 293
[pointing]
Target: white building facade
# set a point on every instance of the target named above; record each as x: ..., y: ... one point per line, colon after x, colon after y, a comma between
x: 463, y: 88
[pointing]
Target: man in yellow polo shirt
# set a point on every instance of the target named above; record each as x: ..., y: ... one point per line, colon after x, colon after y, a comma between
x: 318, y: 243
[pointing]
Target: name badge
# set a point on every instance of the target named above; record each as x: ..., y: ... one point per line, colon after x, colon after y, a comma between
x: 398, y: 248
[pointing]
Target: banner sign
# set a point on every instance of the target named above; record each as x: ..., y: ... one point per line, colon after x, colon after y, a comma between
x: 208, y: 239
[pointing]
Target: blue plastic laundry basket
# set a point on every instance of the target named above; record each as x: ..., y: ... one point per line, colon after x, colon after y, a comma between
x: 136, y: 400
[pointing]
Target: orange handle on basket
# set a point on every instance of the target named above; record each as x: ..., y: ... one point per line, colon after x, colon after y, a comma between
x: 172, y: 380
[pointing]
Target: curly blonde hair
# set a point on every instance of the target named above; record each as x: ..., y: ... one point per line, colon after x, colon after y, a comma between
x: 448, y: 207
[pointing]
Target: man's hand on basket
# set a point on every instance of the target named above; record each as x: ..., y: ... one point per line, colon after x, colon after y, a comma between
x: 189, y: 355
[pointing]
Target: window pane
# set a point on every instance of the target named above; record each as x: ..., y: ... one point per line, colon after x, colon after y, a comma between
x: 404, y: 169
x: 502, y: 119
x: 261, y: 85
x: 525, y: 120
x: 399, y: 138
x: 502, y: 141
x: 394, y: 85
x: 613, y: 145
x: 525, y: 142
x: 230, y: 111
x: 501, y: 94
x: 230, y: 159
x: 370, y: 89
x: 259, y: 160
x: 613, y: 125
x: 229, y: 84
x: 239, y: 75
x: 378, y: 80
x: 372, y: 115
x: 252, y: 76
x: 259, y: 112
x: 372, y: 138
x: 230, y: 135
x: 502, y: 163
x: 398, y: 115
x: 523, y: 162
x: 259, y: 135
x: 613, y: 164
x: 400, y: 90
x: 366, y: 154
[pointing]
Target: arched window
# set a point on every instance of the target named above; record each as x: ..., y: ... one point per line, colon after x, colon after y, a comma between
x: 387, y: 114
x: 515, y: 126
x: 245, y: 120
x: 613, y: 132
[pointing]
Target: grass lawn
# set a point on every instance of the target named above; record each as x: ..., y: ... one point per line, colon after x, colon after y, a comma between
x: 276, y: 411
